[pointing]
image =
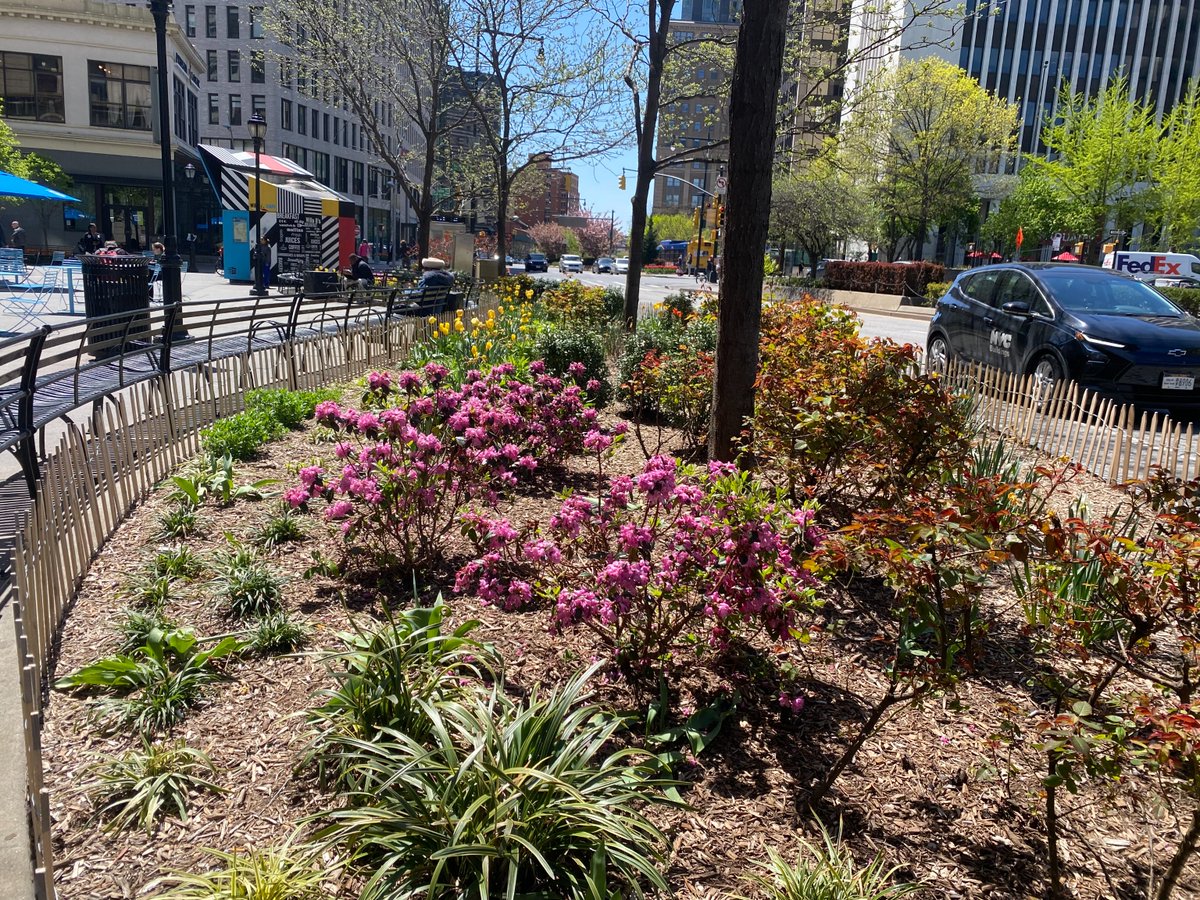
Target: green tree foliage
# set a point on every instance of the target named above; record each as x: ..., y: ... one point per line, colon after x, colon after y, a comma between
x: 934, y: 129
x: 1176, y: 173
x: 818, y: 206
x: 1036, y: 206
x: 1103, y: 149
x: 677, y: 227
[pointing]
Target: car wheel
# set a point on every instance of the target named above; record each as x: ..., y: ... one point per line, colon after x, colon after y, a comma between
x: 937, y: 358
x: 1047, y: 374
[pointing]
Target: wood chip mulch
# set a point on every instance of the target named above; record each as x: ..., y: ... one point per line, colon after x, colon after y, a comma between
x: 933, y: 790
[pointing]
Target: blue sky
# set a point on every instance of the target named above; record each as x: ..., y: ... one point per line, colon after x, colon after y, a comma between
x: 598, y: 184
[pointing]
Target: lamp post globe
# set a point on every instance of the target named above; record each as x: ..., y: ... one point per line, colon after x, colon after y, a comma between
x: 257, y: 126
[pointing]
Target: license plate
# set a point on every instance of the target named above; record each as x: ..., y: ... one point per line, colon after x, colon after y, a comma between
x: 1178, y: 382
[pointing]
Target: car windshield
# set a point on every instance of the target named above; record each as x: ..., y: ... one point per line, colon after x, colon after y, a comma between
x: 536, y: 256
x: 622, y: 259
x: 1081, y: 290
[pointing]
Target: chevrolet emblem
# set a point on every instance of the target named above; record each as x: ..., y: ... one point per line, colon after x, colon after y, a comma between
x: 1177, y: 352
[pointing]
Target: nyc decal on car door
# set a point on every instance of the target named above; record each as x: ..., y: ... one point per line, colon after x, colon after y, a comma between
x: 1000, y: 343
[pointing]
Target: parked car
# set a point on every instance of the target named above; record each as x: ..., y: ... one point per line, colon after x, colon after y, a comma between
x: 622, y: 265
x: 604, y: 265
x: 536, y: 262
x: 569, y: 262
x: 1106, y: 331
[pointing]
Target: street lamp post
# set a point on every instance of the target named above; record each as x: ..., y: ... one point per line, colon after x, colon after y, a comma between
x: 257, y: 126
x: 169, y: 274
x: 190, y: 171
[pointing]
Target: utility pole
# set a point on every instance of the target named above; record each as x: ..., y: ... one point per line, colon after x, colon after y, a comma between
x: 704, y: 193
x: 612, y: 223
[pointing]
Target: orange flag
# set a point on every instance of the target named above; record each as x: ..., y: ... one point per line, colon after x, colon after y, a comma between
x: 1020, y: 237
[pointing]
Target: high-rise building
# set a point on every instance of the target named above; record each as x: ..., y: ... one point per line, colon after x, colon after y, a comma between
x: 78, y: 86
x: 246, y: 71
x: 556, y: 195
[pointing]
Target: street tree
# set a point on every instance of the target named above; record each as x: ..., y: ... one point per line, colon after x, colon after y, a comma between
x: 1035, y: 207
x: 532, y: 92
x: 391, y: 63
x: 598, y: 236
x: 817, y: 207
x: 673, y: 227
x: 1102, y: 153
x: 550, y: 238
x: 1175, y: 170
x: 933, y: 128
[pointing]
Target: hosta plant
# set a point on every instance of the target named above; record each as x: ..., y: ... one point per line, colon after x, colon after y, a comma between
x: 504, y: 799
x: 153, y: 687
x: 149, y: 783
x: 674, y: 559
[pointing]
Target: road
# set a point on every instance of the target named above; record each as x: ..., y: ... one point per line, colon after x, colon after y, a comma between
x: 655, y: 289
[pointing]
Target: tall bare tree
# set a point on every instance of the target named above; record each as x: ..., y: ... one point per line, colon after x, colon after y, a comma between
x: 390, y: 64
x: 532, y: 91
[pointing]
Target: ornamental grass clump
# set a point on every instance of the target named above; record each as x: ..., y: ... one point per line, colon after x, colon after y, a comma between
x: 504, y: 799
x: 669, y: 561
x: 408, y: 472
x: 146, y: 784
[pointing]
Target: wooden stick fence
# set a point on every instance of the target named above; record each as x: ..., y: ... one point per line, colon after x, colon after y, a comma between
x: 1109, y: 439
x: 102, y: 467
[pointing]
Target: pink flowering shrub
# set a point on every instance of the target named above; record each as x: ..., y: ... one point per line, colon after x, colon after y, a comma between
x: 406, y: 473
x: 671, y: 558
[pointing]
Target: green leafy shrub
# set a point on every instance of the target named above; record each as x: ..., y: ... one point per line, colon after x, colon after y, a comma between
x: 281, y: 528
x: 883, y: 277
x: 249, y: 588
x: 288, y: 408
x: 1187, y: 299
x: 666, y: 334
x: 382, y: 677
x: 144, y: 785
x: 828, y: 873
x: 240, y: 436
x: 614, y: 302
x: 179, y: 521
x: 277, y: 632
x: 153, y: 687
x: 559, y: 346
x: 848, y: 421
x: 280, y: 873
x: 148, y: 590
x: 577, y: 304
x: 936, y: 289
x: 214, y: 479
x: 507, y: 799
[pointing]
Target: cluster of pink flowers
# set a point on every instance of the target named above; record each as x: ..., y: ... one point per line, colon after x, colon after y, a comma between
x: 408, y: 471
x: 793, y: 703
x: 661, y: 556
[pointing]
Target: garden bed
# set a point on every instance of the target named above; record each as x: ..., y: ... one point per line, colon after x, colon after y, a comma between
x: 949, y: 790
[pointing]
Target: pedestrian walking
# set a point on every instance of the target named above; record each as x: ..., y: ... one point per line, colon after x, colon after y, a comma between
x: 16, y: 238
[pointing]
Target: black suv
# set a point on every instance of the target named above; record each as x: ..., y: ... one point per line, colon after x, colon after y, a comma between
x: 536, y: 262
x: 1108, y: 332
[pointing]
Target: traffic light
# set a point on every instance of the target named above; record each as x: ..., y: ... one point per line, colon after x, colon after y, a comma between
x: 721, y: 216
x: 621, y: 181
x: 696, y: 217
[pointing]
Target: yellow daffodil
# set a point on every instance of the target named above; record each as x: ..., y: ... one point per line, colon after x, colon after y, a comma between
x: 487, y: 346
x: 501, y: 310
x: 529, y: 293
x: 474, y: 351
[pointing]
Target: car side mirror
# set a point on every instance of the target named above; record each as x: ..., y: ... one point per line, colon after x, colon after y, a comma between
x: 1016, y: 308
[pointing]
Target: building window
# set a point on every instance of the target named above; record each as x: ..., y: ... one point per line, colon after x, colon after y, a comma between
x: 119, y: 95
x: 697, y: 199
x: 697, y: 182
x: 193, y: 119
x: 302, y: 119
x: 325, y: 124
x: 235, y: 65
x: 210, y: 21
x: 258, y: 67
x: 285, y: 73
x: 32, y: 86
x: 235, y: 109
x: 346, y: 134
x: 356, y: 178
x: 213, y: 65
x: 336, y: 134
x: 256, y: 28
x: 258, y: 104
x: 321, y: 167
x: 179, y: 109
x: 233, y: 25
x: 372, y: 181
x: 285, y: 114
x: 189, y: 20
x: 341, y: 174
x: 214, y: 109
x: 316, y: 131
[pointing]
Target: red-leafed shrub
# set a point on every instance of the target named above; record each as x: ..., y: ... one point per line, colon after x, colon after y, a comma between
x: 906, y: 279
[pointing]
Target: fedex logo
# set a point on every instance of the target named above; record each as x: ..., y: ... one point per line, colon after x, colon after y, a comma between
x: 1156, y: 265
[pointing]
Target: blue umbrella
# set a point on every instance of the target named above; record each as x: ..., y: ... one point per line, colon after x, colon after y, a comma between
x: 13, y: 186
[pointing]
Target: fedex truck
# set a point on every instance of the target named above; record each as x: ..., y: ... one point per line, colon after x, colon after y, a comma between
x: 1159, y: 268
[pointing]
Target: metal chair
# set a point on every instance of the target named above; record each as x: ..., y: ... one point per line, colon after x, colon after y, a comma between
x: 32, y: 301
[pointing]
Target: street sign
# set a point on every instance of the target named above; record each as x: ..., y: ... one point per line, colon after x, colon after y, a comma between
x: 722, y: 183
x: 1056, y: 241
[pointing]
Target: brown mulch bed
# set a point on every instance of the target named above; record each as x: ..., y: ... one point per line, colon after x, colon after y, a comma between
x: 933, y: 790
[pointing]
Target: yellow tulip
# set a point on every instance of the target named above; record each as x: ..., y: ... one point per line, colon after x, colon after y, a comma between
x: 529, y: 294
x: 458, y: 327
x: 501, y: 310
x: 474, y: 351
x: 432, y: 320
x: 487, y: 346
x: 444, y: 328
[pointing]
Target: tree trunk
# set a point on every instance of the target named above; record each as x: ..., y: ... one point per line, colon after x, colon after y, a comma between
x: 502, y: 188
x: 1182, y: 853
x: 753, y: 102
x: 646, y: 163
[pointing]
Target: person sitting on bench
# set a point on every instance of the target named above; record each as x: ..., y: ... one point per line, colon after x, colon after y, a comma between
x: 435, y: 274
x: 360, y: 271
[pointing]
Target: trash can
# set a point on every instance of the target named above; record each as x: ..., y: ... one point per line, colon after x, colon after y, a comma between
x: 116, y: 284
x: 320, y: 283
